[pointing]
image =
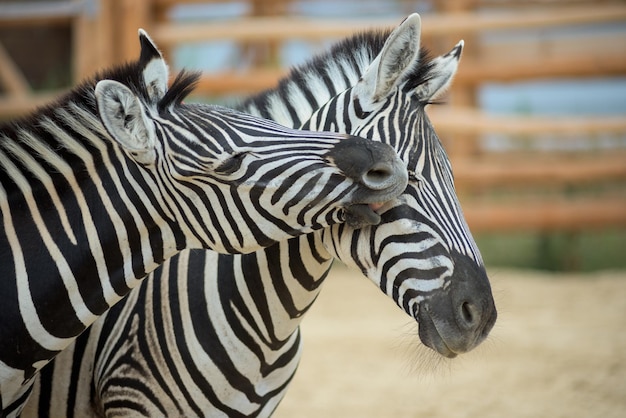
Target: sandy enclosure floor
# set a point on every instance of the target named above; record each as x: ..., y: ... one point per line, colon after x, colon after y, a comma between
x: 557, y: 350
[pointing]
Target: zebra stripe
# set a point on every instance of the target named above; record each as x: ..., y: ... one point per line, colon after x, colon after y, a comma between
x: 238, y: 336
x: 98, y: 189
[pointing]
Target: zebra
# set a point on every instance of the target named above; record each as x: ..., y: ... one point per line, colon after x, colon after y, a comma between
x: 194, y: 346
x: 99, y: 188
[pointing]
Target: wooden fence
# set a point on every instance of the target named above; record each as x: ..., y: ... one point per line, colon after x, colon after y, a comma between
x: 525, y: 186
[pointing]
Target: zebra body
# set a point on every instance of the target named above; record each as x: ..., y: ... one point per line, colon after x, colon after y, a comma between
x: 97, y: 190
x: 229, y: 347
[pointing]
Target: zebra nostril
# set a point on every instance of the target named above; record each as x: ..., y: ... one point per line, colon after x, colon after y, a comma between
x: 469, y: 314
x: 379, y: 177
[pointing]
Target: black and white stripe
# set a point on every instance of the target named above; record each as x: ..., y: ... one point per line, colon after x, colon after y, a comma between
x: 98, y: 189
x: 229, y: 347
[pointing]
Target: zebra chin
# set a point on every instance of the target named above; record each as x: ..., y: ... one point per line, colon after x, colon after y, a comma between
x: 358, y: 216
x: 456, y: 319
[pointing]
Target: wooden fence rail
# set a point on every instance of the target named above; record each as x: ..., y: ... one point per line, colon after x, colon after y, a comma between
x: 522, y: 188
x: 546, y: 215
x: 280, y: 28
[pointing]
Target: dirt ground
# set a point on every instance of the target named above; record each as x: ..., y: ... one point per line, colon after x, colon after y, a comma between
x: 557, y: 350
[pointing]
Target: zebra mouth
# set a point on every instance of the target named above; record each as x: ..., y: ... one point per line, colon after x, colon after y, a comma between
x: 360, y: 215
x: 430, y: 336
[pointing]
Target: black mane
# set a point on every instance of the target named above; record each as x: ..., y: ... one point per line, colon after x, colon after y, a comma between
x: 369, y: 42
x: 129, y: 74
x: 184, y: 83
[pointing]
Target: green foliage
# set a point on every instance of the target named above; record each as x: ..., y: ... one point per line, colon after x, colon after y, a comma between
x: 557, y: 251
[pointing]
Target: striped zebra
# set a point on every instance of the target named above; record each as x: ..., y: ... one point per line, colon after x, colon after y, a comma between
x: 101, y: 187
x: 192, y: 346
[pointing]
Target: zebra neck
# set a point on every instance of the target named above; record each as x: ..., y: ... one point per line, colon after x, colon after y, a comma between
x: 81, y: 227
x: 273, y: 289
x: 105, y: 204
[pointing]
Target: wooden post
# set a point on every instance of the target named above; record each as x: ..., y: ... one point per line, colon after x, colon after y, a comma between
x: 460, y: 95
x: 85, y: 42
x: 264, y: 53
x: 159, y: 14
x: 11, y: 77
x: 131, y: 16
x: 104, y: 37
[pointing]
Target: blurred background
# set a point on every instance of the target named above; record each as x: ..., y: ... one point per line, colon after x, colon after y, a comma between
x: 535, y: 123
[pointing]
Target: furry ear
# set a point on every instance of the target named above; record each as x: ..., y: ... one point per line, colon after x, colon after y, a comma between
x: 398, y: 56
x: 125, y: 119
x: 440, y: 76
x: 155, y: 73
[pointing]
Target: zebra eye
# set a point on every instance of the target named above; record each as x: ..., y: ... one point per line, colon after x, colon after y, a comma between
x: 231, y: 165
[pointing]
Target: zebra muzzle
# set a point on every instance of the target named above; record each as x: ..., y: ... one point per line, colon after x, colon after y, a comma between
x: 374, y: 166
x: 360, y: 215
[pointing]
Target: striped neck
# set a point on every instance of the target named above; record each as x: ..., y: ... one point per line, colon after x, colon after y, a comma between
x: 73, y: 262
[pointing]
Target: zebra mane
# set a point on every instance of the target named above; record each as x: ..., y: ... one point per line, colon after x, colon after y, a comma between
x: 349, y: 59
x: 129, y: 74
x: 183, y: 84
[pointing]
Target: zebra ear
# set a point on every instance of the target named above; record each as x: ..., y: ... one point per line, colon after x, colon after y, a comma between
x: 155, y: 73
x: 398, y: 56
x: 125, y: 119
x: 440, y: 76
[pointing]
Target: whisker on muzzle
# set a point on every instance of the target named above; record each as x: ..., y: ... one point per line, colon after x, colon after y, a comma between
x: 420, y: 361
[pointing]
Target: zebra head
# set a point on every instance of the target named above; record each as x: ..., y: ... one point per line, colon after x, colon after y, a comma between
x: 260, y: 182
x: 422, y: 253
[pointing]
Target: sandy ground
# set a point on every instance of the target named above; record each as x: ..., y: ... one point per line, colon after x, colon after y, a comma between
x: 557, y: 350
